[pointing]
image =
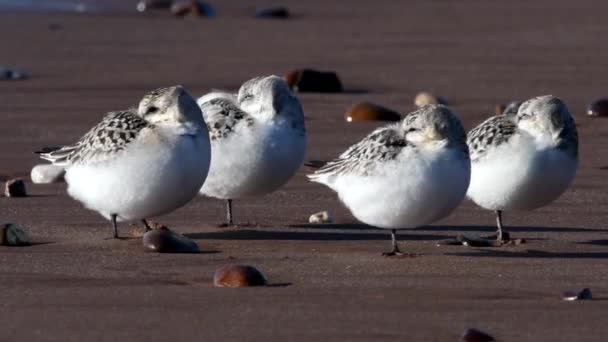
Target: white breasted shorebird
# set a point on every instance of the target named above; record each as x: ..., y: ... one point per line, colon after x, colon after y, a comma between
x: 403, y: 175
x: 258, y: 139
x: 139, y: 163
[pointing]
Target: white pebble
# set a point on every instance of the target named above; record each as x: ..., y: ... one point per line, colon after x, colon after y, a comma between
x: 320, y: 217
x: 47, y: 173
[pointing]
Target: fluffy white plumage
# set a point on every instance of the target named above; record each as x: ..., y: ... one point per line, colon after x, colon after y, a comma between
x: 525, y: 160
x: 403, y: 175
x: 258, y: 139
x: 140, y: 163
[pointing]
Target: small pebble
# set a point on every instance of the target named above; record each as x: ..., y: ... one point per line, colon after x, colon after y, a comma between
x: 598, y: 108
x: 192, y: 8
x: 145, y: 5
x: 15, y: 188
x: 572, y: 295
x: 474, y: 335
x: 47, y: 173
x: 320, y: 217
x: 308, y: 80
x: 278, y: 12
x: 13, y: 235
x: 238, y: 276
x: 163, y: 240
x: 7, y: 73
x: 366, y: 111
x: 425, y: 98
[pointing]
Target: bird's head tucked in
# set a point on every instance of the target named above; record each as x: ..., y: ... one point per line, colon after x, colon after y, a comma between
x: 544, y: 115
x: 266, y: 97
x: 170, y: 105
x: 434, y: 124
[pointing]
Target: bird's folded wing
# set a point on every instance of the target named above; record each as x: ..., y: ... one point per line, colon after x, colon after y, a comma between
x: 383, y: 144
x: 222, y: 116
x: 489, y: 134
x: 102, y: 142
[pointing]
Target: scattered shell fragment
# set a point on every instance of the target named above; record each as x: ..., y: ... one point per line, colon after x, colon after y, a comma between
x: 193, y: 8
x: 8, y: 73
x: 598, y: 108
x: 321, y: 217
x: 145, y: 5
x: 164, y: 240
x: 15, y: 188
x: 365, y: 111
x: 278, y: 12
x: 238, y: 276
x: 426, y: 98
x: 308, y: 80
x: 13, y: 235
x: 47, y: 173
x: 572, y: 295
x: 474, y: 335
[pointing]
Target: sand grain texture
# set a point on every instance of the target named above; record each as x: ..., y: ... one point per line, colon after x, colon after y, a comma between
x: 75, y: 286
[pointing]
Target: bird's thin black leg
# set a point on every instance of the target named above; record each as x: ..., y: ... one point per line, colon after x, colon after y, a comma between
x: 395, y: 251
x: 499, y: 233
x: 229, y: 212
x: 146, y: 225
x: 115, y: 226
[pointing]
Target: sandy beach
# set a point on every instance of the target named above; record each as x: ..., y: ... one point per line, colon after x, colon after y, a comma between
x: 329, y: 283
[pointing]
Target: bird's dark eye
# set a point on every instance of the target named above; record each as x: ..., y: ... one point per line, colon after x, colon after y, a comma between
x: 247, y: 97
x: 151, y: 110
x: 411, y: 129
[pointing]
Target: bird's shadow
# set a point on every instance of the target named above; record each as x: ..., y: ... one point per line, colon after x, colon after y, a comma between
x: 522, y: 229
x: 249, y: 234
x: 536, y: 254
x: 455, y: 228
x: 600, y: 242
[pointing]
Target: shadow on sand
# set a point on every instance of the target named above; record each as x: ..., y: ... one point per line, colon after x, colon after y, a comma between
x: 507, y: 228
x: 249, y: 234
x: 532, y: 254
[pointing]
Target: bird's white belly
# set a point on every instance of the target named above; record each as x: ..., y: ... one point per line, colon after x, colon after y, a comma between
x: 143, y: 181
x: 423, y: 190
x: 253, y: 163
x: 518, y: 176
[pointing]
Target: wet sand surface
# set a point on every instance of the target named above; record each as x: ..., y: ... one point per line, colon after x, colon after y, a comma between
x: 329, y: 282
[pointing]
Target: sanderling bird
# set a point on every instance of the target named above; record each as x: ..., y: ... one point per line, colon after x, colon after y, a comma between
x: 258, y: 139
x: 139, y: 163
x: 403, y: 175
x: 525, y: 160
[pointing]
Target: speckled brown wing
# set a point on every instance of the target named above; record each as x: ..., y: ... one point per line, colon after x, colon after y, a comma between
x: 111, y: 135
x: 491, y: 133
x: 223, y: 116
x: 383, y: 144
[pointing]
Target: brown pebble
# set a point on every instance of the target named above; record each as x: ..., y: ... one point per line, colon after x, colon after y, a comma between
x: 598, y: 108
x: 191, y: 7
x: 308, y: 80
x: 426, y: 98
x: 367, y: 111
x: 238, y: 276
x: 571, y: 295
x: 164, y: 240
x: 474, y: 335
x: 15, y: 188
